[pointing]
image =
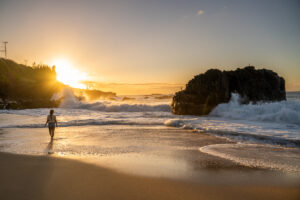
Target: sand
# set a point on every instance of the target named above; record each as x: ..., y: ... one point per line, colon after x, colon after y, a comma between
x: 46, y: 177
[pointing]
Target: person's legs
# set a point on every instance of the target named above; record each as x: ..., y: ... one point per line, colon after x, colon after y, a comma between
x: 49, y: 130
x: 52, y: 132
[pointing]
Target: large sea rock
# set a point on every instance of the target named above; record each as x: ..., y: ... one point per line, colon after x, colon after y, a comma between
x: 205, y: 91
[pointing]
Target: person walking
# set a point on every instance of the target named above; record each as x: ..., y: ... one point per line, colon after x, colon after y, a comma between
x: 52, y: 123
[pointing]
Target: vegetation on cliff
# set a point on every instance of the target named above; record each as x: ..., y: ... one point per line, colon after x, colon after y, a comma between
x: 24, y: 86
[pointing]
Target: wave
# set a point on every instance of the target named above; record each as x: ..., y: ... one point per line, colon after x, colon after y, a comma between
x: 224, y: 129
x: 280, y: 112
x: 273, y: 123
x: 71, y: 101
x: 89, y: 122
x: 122, y: 107
x: 254, y: 155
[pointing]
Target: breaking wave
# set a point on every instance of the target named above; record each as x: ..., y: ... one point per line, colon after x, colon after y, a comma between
x: 107, y: 106
x: 280, y: 112
x: 71, y: 101
x: 273, y: 123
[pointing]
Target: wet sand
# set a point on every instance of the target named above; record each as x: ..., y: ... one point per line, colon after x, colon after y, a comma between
x: 164, y: 164
x: 46, y: 177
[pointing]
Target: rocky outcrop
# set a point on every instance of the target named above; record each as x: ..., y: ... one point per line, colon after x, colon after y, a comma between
x: 205, y: 91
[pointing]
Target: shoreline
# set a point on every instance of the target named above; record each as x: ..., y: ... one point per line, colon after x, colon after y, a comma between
x: 62, y: 177
x: 189, y: 151
x: 46, y: 177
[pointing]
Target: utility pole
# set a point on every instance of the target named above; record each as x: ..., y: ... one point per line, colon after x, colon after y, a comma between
x: 5, y: 49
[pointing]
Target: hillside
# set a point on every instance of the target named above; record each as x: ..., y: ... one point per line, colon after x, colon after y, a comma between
x: 24, y: 86
x: 27, y: 87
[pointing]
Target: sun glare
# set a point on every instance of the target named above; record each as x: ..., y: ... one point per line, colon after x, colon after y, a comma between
x: 68, y: 74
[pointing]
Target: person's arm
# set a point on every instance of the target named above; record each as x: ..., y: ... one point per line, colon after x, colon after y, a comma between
x: 55, y: 121
x: 47, y: 121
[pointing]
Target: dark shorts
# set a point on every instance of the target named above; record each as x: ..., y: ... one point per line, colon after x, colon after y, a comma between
x: 51, y: 125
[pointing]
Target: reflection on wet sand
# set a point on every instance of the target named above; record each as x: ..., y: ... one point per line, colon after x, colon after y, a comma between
x: 139, y: 150
x: 50, y: 147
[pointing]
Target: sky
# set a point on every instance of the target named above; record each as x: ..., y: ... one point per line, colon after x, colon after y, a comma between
x: 150, y: 41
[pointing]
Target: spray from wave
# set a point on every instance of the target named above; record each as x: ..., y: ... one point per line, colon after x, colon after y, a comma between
x: 274, y: 123
x: 72, y: 101
x: 281, y: 112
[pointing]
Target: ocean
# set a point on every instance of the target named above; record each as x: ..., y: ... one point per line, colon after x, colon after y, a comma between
x: 265, y: 135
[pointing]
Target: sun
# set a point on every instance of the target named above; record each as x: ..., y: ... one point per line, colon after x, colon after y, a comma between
x: 68, y: 74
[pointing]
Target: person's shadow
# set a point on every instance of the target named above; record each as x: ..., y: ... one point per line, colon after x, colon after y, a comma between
x: 50, y: 147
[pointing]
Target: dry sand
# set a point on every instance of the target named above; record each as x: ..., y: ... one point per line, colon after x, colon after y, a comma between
x: 44, y: 177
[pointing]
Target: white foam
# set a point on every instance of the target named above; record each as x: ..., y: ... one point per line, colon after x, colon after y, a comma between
x: 280, y: 112
x: 71, y: 101
x: 254, y: 155
x: 277, y: 122
x: 272, y: 123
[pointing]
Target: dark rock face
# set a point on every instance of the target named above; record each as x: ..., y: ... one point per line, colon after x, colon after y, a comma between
x: 205, y: 91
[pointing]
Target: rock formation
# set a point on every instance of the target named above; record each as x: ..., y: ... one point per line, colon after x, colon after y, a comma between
x: 205, y: 91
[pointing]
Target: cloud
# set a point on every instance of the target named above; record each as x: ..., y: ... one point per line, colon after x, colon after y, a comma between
x: 200, y: 12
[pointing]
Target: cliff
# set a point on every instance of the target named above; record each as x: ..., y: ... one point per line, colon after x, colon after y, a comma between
x: 24, y: 86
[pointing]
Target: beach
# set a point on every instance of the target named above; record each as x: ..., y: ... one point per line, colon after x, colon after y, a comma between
x: 149, y: 100
x: 51, y: 176
x: 41, y: 177
x: 44, y: 177
x: 140, y: 150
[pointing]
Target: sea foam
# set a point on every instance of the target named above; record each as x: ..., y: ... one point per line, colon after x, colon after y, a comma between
x: 255, y: 155
x: 280, y: 112
x: 272, y: 123
x: 71, y: 101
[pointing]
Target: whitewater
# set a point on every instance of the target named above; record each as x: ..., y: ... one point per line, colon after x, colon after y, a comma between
x: 117, y: 127
x: 272, y: 123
